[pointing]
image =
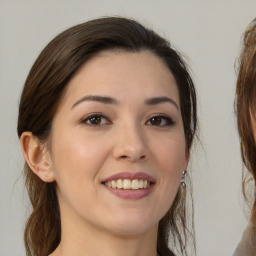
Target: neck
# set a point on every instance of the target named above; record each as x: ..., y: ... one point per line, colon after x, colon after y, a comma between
x: 106, y: 244
x: 86, y: 240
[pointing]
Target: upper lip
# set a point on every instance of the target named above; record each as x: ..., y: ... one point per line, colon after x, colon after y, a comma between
x: 130, y: 176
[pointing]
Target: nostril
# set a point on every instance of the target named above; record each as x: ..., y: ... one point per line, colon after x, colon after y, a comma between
x: 131, y: 153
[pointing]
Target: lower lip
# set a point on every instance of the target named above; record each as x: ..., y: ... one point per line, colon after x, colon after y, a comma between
x: 130, y: 193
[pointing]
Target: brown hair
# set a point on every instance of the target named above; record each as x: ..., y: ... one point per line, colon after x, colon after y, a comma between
x: 43, y: 89
x: 245, y: 104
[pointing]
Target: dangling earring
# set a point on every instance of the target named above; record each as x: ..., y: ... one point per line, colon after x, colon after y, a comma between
x: 183, y: 180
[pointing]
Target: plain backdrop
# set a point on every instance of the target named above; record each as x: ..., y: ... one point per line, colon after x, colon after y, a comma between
x: 207, y: 32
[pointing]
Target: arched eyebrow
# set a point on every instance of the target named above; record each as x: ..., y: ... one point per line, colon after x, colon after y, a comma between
x: 97, y: 98
x: 110, y: 100
x: 159, y: 100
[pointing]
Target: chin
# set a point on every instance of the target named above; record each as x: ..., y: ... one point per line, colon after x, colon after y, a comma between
x: 128, y: 231
x: 128, y: 226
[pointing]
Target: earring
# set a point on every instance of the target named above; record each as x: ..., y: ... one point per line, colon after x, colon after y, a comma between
x: 183, y: 181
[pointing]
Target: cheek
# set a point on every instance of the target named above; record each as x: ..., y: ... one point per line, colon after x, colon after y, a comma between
x: 171, y: 154
x: 172, y: 161
x: 77, y: 159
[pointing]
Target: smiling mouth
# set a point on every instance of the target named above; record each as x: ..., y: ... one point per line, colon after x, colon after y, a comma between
x: 126, y: 184
x: 131, y: 186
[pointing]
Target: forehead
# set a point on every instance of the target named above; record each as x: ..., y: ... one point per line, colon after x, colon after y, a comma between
x: 120, y: 72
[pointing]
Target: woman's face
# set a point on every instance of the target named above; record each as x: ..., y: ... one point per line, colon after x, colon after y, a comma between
x: 117, y: 146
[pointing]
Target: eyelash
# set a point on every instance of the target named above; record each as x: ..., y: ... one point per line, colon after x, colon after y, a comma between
x: 95, y: 115
x: 167, y: 119
x: 100, y: 116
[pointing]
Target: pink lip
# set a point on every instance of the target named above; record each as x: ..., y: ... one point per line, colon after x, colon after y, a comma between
x: 130, y: 176
x: 130, y: 193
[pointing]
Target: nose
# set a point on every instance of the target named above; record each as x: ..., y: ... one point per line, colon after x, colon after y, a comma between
x: 131, y: 144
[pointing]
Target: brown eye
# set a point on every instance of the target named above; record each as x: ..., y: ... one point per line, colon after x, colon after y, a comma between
x: 160, y: 121
x: 155, y: 121
x: 96, y: 120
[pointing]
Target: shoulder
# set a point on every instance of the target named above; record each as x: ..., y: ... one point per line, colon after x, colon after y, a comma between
x: 247, y: 245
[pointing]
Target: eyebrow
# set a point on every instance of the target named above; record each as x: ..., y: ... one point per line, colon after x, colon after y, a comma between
x: 110, y: 100
x: 97, y: 98
x: 159, y: 100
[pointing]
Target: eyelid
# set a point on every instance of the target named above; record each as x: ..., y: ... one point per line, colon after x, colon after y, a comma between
x: 168, y: 119
x: 91, y: 115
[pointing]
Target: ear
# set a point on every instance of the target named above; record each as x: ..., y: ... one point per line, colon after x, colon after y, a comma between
x: 37, y: 156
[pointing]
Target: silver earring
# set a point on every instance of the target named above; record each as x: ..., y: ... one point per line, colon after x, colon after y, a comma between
x: 183, y: 181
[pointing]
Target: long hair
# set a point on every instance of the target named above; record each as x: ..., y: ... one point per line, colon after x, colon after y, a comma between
x: 43, y: 90
x: 245, y: 106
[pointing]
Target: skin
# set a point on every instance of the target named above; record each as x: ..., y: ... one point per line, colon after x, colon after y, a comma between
x: 79, y: 155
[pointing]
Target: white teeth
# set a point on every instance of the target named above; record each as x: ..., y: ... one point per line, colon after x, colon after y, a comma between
x: 119, y: 183
x: 141, y: 184
x: 135, y: 184
x: 113, y: 184
x: 128, y: 184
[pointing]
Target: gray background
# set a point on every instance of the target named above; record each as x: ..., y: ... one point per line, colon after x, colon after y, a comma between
x: 208, y: 32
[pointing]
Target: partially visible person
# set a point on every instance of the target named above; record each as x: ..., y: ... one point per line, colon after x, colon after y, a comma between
x: 246, y: 119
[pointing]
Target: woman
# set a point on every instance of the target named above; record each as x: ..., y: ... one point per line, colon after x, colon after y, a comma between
x: 246, y: 120
x: 106, y: 122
